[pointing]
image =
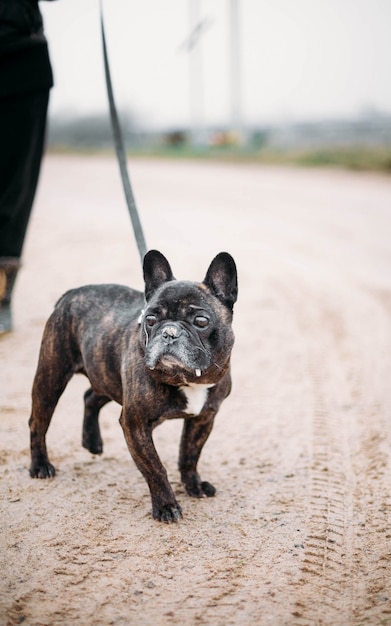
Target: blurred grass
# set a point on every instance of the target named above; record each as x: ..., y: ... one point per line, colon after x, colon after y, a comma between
x: 362, y: 159
x: 351, y: 158
x: 357, y: 158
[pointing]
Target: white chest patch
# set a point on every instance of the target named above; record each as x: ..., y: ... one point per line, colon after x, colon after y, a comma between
x: 196, y: 397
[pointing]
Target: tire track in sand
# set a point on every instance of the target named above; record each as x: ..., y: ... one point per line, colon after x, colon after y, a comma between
x: 346, y: 567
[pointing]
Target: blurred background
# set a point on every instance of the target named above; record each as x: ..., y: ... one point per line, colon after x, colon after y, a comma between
x: 304, y: 81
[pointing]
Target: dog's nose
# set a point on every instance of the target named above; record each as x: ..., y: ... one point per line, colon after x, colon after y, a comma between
x: 170, y: 333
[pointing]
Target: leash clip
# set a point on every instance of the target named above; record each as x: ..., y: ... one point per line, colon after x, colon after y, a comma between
x: 140, y: 317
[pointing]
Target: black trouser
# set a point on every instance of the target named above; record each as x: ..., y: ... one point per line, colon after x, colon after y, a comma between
x: 22, y: 136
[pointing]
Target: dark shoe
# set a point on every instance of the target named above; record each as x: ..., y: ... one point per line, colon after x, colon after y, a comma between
x: 9, y: 267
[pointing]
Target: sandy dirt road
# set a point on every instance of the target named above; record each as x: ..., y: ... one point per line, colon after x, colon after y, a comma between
x: 299, y: 532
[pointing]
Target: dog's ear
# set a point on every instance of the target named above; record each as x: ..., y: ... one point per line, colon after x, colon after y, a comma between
x: 157, y: 271
x: 222, y: 279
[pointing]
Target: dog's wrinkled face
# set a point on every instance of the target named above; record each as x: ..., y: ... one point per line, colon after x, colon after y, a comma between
x: 186, y: 330
x: 181, y: 331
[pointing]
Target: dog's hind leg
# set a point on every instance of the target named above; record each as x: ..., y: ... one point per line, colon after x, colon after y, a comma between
x: 55, y: 369
x: 92, y: 439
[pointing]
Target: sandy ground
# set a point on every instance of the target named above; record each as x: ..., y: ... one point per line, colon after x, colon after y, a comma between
x: 299, y: 532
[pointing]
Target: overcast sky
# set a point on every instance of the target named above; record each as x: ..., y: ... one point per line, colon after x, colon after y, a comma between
x: 300, y: 59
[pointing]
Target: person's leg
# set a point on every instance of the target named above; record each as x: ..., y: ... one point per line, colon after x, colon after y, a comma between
x: 22, y: 132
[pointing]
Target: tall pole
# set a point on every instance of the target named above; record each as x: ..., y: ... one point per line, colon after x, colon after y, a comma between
x: 236, y: 86
x: 196, y: 79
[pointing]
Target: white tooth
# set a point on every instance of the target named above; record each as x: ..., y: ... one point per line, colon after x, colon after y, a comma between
x: 198, y: 372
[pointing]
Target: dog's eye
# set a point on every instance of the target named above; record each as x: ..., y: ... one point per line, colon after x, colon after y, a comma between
x: 201, y: 321
x: 150, y: 320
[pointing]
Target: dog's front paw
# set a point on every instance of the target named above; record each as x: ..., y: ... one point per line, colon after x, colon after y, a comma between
x: 208, y: 489
x: 43, y: 469
x: 197, y: 489
x: 167, y: 513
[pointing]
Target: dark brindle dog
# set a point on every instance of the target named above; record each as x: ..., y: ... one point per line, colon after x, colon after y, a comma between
x: 170, y: 361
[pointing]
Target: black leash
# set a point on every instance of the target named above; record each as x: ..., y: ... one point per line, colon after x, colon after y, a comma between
x: 120, y: 151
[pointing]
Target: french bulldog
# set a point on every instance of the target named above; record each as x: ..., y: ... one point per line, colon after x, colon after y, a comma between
x: 161, y: 355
